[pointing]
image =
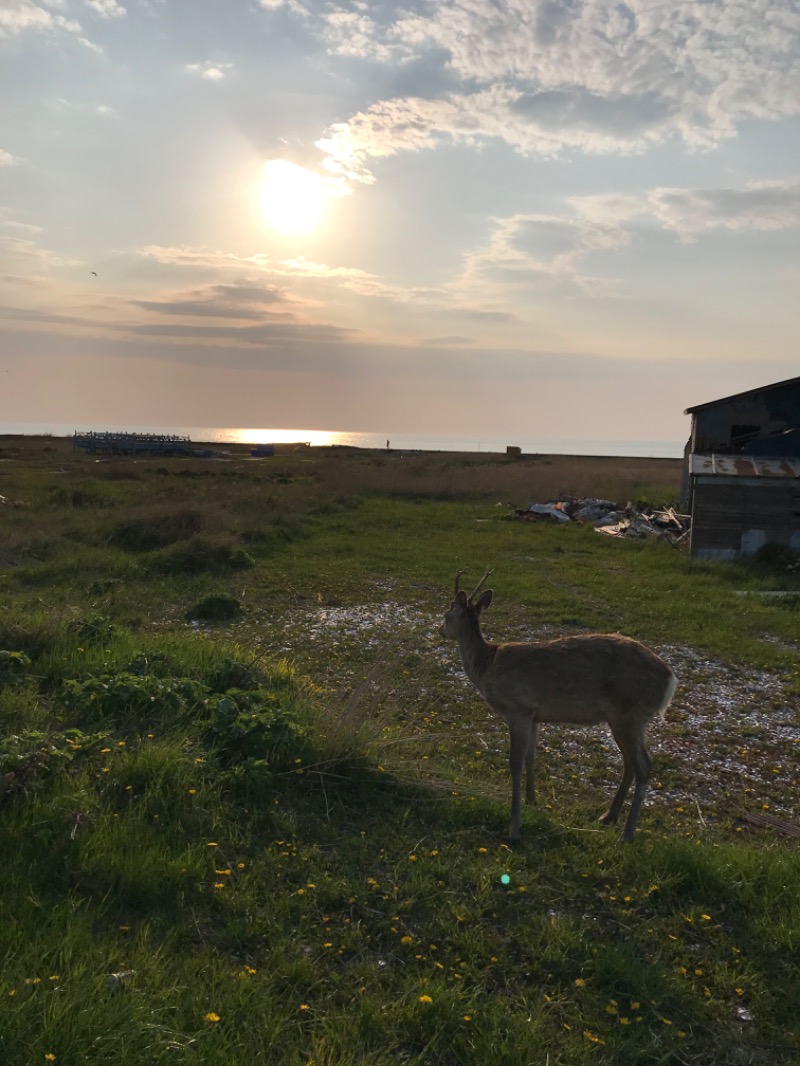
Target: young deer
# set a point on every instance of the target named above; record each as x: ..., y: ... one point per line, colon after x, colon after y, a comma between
x: 581, y: 679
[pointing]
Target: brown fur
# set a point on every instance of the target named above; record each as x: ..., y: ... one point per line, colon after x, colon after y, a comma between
x: 584, y: 679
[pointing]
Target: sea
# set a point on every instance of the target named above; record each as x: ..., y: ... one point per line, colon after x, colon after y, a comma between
x: 429, y: 442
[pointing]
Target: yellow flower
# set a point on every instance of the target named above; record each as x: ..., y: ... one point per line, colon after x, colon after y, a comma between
x: 482, y: 851
x: 406, y: 939
x: 304, y: 1006
x: 212, y: 844
x: 412, y: 858
x: 706, y: 917
x: 425, y: 999
x: 50, y: 1057
x: 467, y: 1017
x: 212, y: 1017
x: 635, y: 1005
x: 579, y: 982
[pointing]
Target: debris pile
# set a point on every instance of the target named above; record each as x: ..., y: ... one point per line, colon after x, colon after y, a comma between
x: 613, y: 519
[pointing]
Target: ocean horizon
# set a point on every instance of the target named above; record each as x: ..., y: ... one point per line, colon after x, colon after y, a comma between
x: 445, y: 442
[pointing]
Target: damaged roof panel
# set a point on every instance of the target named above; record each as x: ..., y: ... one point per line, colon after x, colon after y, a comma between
x: 743, y: 466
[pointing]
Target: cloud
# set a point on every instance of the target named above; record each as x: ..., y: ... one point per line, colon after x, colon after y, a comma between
x: 107, y: 8
x: 20, y: 16
x: 446, y: 341
x: 222, y: 301
x: 209, y: 70
x: 762, y: 206
x: 6, y: 159
x: 297, y: 270
x: 601, y: 76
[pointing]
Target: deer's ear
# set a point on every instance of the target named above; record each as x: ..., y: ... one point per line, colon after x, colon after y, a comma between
x: 461, y: 599
x: 484, y: 601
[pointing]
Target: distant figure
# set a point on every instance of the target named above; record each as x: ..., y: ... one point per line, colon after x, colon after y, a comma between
x: 387, y: 445
x: 94, y: 272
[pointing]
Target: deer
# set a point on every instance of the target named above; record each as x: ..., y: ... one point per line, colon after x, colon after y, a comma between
x: 584, y: 679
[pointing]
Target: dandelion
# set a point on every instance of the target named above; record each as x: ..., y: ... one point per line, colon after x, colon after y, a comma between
x: 706, y: 917
x: 406, y: 939
x: 223, y: 873
x: 739, y: 991
x: 624, y: 1021
x: 412, y: 858
x: 304, y: 1006
x: 192, y: 791
x: 579, y: 982
x: 482, y: 851
x: 425, y: 999
x: 301, y: 892
x: 635, y: 1005
x: 212, y: 844
x: 212, y: 1017
x: 434, y: 853
x: 49, y: 1057
x: 467, y: 1017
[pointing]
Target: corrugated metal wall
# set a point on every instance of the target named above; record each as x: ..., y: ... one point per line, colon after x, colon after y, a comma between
x: 731, y: 516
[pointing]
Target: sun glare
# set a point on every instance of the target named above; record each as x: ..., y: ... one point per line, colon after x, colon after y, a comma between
x: 292, y: 198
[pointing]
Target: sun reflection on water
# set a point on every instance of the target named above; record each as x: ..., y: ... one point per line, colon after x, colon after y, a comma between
x: 318, y: 438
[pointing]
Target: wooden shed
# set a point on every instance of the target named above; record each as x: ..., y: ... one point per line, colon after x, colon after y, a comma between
x: 742, y: 474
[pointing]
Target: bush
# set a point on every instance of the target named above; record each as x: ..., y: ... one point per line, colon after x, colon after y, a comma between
x: 202, y: 555
x: 157, y: 530
x: 218, y: 607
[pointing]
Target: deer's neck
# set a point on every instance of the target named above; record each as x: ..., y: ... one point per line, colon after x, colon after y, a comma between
x: 477, y: 655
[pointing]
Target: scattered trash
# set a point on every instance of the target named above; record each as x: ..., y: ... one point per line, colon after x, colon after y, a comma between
x: 613, y: 519
x: 120, y: 979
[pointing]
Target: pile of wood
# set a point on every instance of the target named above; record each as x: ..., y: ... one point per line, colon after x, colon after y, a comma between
x: 613, y: 519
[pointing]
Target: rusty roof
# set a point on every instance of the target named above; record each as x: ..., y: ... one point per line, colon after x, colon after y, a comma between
x: 742, y: 466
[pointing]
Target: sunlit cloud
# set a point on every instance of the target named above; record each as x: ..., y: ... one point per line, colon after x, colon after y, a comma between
x: 548, y: 77
x: 209, y: 70
x: 761, y: 206
x: 6, y: 158
x: 107, y: 8
x: 20, y: 16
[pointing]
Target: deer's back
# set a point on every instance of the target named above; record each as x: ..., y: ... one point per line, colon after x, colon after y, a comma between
x: 584, y: 679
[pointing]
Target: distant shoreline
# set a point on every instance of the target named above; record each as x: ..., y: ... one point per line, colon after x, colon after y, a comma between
x: 240, y: 439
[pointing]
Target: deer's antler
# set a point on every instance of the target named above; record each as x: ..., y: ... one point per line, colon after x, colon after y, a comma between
x: 478, y: 586
x: 458, y: 575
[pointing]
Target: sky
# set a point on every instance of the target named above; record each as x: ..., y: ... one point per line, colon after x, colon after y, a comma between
x: 484, y: 217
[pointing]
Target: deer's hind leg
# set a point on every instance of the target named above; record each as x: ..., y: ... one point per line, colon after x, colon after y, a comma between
x: 636, y: 765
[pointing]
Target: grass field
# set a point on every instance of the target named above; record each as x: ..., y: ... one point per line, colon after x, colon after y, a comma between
x: 253, y: 813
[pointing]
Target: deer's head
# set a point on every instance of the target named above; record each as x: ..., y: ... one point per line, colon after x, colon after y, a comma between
x: 465, y: 610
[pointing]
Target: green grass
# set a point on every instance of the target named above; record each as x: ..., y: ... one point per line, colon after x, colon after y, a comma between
x: 279, y: 840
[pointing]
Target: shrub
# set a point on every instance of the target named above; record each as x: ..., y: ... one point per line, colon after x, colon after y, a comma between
x: 202, y: 555
x: 13, y: 667
x: 156, y: 530
x: 218, y: 607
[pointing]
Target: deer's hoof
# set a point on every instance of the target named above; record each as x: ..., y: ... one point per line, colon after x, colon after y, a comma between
x: 515, y: 842
x: 608, y: 818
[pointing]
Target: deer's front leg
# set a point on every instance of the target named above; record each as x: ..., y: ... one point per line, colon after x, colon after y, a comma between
x: 530, y: 787
x: 518, y: 757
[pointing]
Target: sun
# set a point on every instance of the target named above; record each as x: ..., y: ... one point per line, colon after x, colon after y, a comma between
x: 293, y: 199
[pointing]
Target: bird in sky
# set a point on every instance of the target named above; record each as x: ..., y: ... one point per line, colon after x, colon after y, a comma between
x: 93, y: 272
